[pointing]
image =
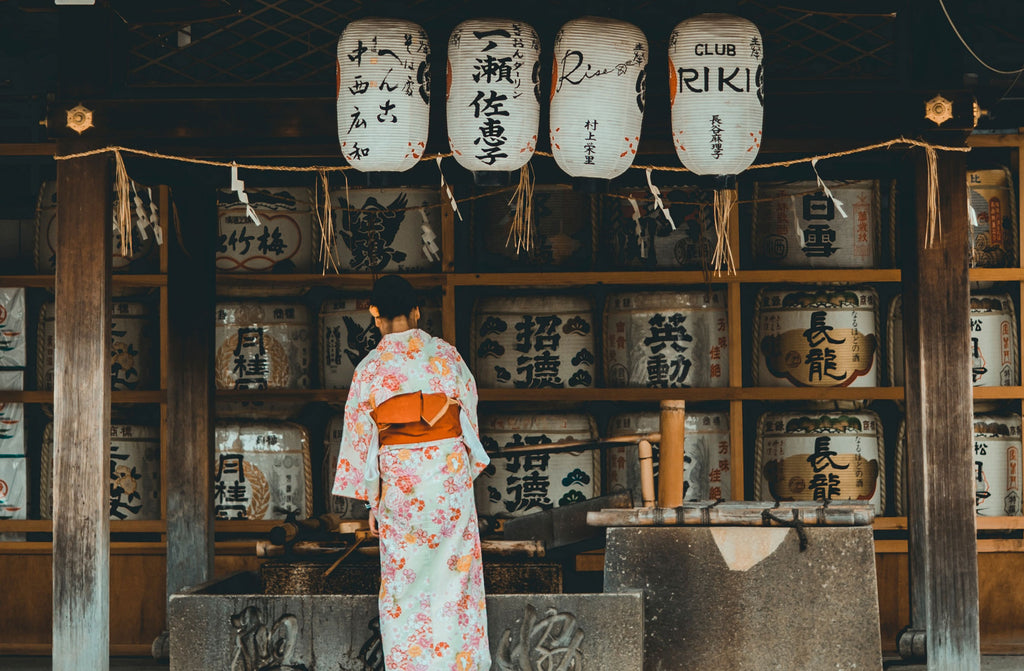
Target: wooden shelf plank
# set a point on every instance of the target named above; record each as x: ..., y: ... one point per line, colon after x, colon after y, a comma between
x: 126, y: 397
x: 669, y: 277
x: 995, y: 140
x: 116, y: 526
x: 307, y: 395
x: 242, y: 284
x: 695, y: 394
x: 28, y: 148
x: 245, y: 526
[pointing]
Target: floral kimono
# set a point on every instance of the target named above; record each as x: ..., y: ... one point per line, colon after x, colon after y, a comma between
x: 432, y: 610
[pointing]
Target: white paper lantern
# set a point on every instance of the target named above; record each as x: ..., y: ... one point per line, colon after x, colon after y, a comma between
x: 493, y: 94
x: 383, y: 82
x: 716, y: 83
x: 598, y: 89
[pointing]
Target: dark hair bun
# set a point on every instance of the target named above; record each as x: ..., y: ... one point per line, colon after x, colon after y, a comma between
x: 393, y: 296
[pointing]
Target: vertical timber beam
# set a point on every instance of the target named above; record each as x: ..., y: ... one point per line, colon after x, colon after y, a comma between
x: 941, y: 509
x: 81, y: 470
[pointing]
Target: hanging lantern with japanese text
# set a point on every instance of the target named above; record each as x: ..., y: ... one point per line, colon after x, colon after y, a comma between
x: 493, y: 96
x: 383, y: 82
x: 598, y: 92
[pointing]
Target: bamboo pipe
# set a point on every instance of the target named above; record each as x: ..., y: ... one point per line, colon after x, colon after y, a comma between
x: 646, y: 473
x: 670, y: 460
x: 575, y: 445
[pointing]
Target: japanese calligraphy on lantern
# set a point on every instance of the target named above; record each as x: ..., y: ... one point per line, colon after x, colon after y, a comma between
x: 262, y: 346
x: 997, y: 464
x: 820, y: 457
x: 816, y: 337
x: 493, y: 102
x: 666, y: 339
x: 283, y: 241
x: 706, y: 468
x: 12, y: 327
x: 262, y: 471
x: 524, y: 484
x: 993, y: 215
x: 652, y: 242
x: 383, y: 78
x: 387, y: 230
x: 797, y: 226
x: 534, y: 342
x: 598, y: 94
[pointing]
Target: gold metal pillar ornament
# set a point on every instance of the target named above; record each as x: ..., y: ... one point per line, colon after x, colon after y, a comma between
x: 938, y: 110
x: 80, y: 118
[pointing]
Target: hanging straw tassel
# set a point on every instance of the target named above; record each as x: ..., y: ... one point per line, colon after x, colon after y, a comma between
x: 725, y: 201
x: 123, y: 215
x: 933, y: 231
x: 448, y: 190
x: 322, y: 207
x: 521, y: 203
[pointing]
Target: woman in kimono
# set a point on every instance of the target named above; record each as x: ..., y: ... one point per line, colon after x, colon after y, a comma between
x: 411, y: 449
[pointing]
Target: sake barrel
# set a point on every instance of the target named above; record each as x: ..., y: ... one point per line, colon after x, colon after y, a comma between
x: 263, y: 346
x: 347, y: 334
x: 992, y: 210
x: 342, y: 505
x: 994, y: 341
x: 13, y: 487
x: 797, y: 225
x: 134, y: 472
x: 262, y: 471
x: 820, y: 456
x: 706, y: 460
x: 666, y: 339
x: 811, y: 336
x: 12, y: 428
x: 523, y: 484
x: 134, y: 346
x: 393, y: 230
x: 561, y: 231
x: 997, y: 464
x: 143, y: 257
x: 532, y: 342
x: 12, y: 380
x: 283, y: 239
x: 12, y: 327
x: 642, y: 237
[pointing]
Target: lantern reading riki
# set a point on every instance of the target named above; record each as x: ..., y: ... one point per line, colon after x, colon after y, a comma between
x: 383, y: 80
x: 493, y: 96
x: 716, y: 89
x: 598, y: 90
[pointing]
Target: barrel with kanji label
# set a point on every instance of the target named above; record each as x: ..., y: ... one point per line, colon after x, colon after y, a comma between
x: 817, y: 456
x: 12, y: 428
x: 134, y: 472
x: 992, y: 210
x: 522, y: 484
x: 811, y: 336
x: 393, y: 230
x: 798, y: 225
x: 666, y: 339
x: 997, y: 464
x: 280, y: 241
x: 12, y: 327
x: 13, y: 487
x: 342, y: 505
x: 534, y: 342
x: 643, y: 237
x: 706, y: 461
x: 262, y: 471
x: 263, y: 346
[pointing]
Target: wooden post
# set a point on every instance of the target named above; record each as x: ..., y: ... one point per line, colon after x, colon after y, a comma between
x: 941, y: 514
x: 81, y: 416
x: 670, y: 460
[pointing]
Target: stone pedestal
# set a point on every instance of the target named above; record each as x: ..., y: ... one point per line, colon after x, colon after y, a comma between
x: 747, y: 598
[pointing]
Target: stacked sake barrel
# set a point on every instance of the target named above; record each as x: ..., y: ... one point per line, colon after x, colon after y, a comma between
x: 641, y: 236
x: 992, y: 210
x: 13, y: 462
x: 281, y: 240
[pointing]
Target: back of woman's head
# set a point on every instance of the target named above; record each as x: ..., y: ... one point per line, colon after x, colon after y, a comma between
x: 393, y: 296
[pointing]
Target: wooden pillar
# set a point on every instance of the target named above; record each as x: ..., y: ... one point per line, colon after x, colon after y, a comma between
x: 81, y: 436
x: 941, y: 515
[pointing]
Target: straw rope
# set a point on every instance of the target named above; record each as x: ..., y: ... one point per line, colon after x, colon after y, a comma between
x: 897, y: 471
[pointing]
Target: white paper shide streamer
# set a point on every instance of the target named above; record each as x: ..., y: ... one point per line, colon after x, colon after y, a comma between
x: 383, y: 94
x: 493, y: 94
x: 598, y: 93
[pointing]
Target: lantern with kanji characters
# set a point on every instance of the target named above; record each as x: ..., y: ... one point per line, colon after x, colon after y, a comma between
x: 383, y: 79
x: 598, y: 91
x: 493, y: 95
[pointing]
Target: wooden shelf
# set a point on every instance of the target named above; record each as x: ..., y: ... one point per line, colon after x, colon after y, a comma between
x: 117, y: 397
x: 670, y: 277
x: 1003, y: 523
x: 253, y: 284
x: 303, y: 395
x: 119, y: 281
x: 116, y: 526
x: 28, y: 148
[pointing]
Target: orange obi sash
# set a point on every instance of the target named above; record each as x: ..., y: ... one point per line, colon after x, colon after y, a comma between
x: 417, y: 418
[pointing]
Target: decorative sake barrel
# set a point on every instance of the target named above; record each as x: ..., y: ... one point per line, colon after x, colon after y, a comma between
x: 134, y: 346
x: 347, y: 333
x: 13, y: 487
x: 666, y: 339
x: 394, y: 230
x: 281, y: 242
x: 562, y: 238
x: 818, y: 456
x: 12, y: 380
x: 813, y: 336
x: 994, y: 341
x: 262, y: 471
x: 523, y: 484
x: 134, y: 472
x: 263, y: 346
x: 706, y: 472
x: 796, y: 225
x: 992, y: 209
x: 143, y: 257
x: 531, y: 342
x: 12, y: 428
x: 12, y: 328
x: 644, y: 238
x: 342, y: 505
